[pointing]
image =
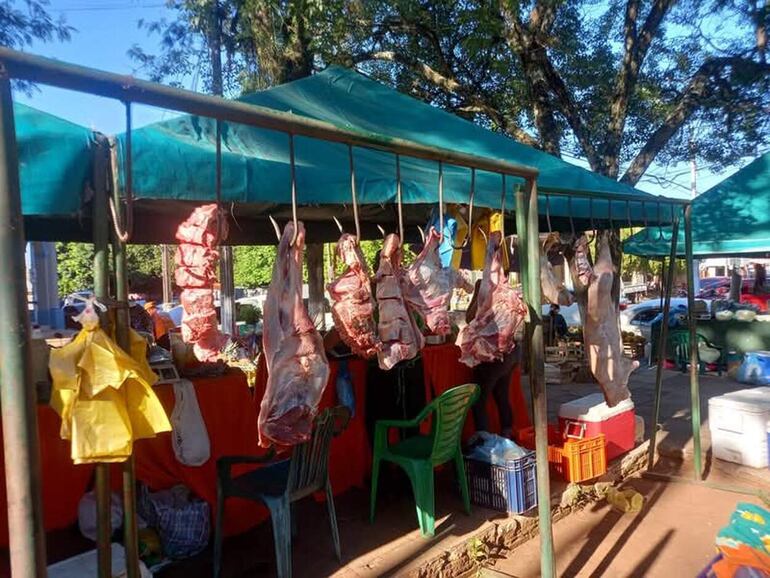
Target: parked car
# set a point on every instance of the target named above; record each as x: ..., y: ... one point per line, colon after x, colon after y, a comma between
x: 638, y: 318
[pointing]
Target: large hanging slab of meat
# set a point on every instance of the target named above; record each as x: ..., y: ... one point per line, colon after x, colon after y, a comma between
x: 602, y: 330
x: 428, y: 287
x: 353, y: 302
x: 499, y: 314
x: 196, y: 267
x: 553, y: 289
x: 401, y: 340
x: 294, y: 353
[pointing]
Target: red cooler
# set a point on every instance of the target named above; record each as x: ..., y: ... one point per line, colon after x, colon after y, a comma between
x: 590, y: 416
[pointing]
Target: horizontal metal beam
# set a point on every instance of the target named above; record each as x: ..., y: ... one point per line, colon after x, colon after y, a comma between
x: 33, y: 68
x: 648, y: 199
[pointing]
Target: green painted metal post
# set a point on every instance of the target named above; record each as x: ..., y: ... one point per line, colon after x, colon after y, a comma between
x: 694, y: 365
x: 101, y: 238
x: 521, y: 237
x: 131, y: 537
x: 537, y: 382
x: 17, y: 390
x: 663, y: 337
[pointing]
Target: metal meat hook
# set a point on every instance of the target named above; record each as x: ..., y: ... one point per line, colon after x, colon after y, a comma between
x: 470, y: 213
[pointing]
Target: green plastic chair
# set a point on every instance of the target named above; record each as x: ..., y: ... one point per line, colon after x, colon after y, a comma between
x: 419, y: 455
x: 279, y: 484
x: 679, y: 345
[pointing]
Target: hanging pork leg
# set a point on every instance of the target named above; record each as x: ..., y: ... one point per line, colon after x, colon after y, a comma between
x: 553, y: 289
x: 602, y: 330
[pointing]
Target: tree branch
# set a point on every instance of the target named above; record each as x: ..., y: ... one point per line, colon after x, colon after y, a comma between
x: 450, y: 84
x: 636, y: 47
x: 700, y: 87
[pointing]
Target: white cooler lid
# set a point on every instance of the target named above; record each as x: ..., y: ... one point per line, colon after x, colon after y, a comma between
x: 752, y: 400
x: 593, y: 408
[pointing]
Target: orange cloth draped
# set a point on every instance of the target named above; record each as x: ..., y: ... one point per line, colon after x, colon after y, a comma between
x: 229, y: 409
x: 64, y: 483
x: 442, y: 370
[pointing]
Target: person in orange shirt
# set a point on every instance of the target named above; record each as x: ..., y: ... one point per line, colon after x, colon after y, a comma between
x: 161, y: 323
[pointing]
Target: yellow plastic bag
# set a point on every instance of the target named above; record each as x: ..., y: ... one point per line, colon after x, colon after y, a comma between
x: 628, y: 501
x: 104, y: 396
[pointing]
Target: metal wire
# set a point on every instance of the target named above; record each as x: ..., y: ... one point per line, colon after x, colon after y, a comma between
x: 571, y: 222
x: 502, y: 212
x: 124, y: 235
x: 609, y: 210
x: 441, y: 201
x: 293, y: 167
x: 353, y: 193
x: 644, y: 220
x: 628, y: 214
x: 548, y: 213
x: 660, y: 229
x: 399, y: 200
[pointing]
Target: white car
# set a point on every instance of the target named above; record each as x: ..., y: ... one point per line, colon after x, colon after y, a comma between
x: 638, y: 318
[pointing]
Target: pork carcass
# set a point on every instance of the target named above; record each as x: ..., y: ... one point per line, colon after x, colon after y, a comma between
x: 500, y: 312
x: 352, y: 300
x: 553, y: 289
x: 427, y: 287
x: 294, y: 353
x: 401, y: 339
x: 602, y: 330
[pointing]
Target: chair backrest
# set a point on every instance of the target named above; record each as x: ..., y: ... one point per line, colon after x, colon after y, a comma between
x: 449, y: 412
x: 679, y: 342
x: 310, y: 460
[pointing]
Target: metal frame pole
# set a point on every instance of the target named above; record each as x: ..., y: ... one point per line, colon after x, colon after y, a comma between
x: 101, y: 238
x: 537, y: 381
x: 17, y: 390
x: 662, y: 342
x: 694, y: 361
x: 122, y: 324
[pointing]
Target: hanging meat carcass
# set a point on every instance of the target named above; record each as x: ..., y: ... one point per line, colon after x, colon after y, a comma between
x: 428, y: 287
x: 553, y: 289
x: 602, y: 327
x: 352, y: 300
x: 196, y: 266
x: 401, y: 339
x: 500, y: 312
x: 294, y: 353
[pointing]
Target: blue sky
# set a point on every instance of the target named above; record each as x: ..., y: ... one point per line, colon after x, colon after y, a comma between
x: 107, y: 29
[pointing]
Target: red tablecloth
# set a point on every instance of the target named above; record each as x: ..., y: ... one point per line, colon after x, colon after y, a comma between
x: 63, y: 482
x: 230, y: 411
x: 443, y: 370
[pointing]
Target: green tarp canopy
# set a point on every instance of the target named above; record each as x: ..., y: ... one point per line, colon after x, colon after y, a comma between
x: 731, y: 218
x: 174, y: 160
x: 54, y: 162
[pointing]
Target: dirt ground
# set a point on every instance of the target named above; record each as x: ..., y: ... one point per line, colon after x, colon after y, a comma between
x: 672, y: 535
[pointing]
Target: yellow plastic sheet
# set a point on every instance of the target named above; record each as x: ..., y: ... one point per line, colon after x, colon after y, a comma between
x: 104, y: 396
x: 487, y: 222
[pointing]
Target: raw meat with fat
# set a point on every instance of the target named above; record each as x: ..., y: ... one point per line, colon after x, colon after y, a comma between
x: 196, y: 262
x: 428, y: 287
x: 352, y: 300
x: 294, y: 353
x: 602, y: 330
x: 553, y: 289
x: 500, y: 312
x: 401, y: 340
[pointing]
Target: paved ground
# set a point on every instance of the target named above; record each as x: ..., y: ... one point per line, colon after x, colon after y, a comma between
x: 673, y: 535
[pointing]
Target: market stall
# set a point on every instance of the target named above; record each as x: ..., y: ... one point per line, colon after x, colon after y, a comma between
x: 343, y: 156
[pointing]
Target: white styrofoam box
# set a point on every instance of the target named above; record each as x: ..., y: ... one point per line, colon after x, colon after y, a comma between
x: 593, y: 408
x: 738, y: 424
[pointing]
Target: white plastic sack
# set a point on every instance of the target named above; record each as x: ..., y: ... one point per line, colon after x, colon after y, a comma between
x: 755, y: 369
x: 494, y: 449
x: 188, y: 431
x: 85, y: 564
x: 87, y: 514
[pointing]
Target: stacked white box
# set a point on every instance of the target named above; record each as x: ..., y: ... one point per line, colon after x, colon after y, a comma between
x: 738, y: 423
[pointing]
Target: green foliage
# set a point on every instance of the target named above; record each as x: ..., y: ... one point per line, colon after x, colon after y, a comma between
x: 253, y: 266
x: 75, y: 266
x: 249, y: 314
x: 23, y: 22
x: 479, y: 554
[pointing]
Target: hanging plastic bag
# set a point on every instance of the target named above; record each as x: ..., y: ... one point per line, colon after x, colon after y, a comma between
x: 188, y: 431
x: 345, y: 393
x: 87, y: 515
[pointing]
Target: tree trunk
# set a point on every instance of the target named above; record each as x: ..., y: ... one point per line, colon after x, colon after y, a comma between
x: 316, y: 306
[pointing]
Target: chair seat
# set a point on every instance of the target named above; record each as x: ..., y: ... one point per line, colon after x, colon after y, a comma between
x: 417, y: 447
x: 270, y: 480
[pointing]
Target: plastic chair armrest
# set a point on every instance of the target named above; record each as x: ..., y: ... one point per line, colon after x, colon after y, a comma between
x: 225, y: 463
